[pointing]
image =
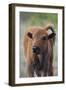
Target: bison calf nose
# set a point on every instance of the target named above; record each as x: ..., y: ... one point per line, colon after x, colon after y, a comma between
x: 36, y: 49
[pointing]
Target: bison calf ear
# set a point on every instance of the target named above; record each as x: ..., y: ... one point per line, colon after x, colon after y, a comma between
x: 29, y: 34
x: 52, y: 35
x: 50, y: 32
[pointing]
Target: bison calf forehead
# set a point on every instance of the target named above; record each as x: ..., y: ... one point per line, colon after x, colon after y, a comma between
x: 39, y: 31
x: 39, y: 34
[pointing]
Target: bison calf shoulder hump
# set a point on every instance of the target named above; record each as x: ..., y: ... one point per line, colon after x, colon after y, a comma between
x: 38, y: 50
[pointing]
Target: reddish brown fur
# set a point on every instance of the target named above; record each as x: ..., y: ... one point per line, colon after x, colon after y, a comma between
x: 28, y: 43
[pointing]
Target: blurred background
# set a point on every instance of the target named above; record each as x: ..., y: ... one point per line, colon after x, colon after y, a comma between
x: 28, y: 19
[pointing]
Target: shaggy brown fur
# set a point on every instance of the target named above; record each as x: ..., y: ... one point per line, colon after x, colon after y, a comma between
x: 38, y: 50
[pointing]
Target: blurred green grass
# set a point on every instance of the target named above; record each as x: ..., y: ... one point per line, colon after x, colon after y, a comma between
x: 41, y: 19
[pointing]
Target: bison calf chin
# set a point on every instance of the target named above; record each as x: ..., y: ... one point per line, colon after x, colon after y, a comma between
x: 38, y: 50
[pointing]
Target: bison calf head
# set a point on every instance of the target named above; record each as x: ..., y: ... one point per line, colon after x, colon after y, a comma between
x: 40, y: 39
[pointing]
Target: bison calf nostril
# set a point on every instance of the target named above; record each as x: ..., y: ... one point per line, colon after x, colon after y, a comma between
x: 36, y: 49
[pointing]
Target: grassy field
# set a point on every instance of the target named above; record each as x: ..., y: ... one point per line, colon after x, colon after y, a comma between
x: 28, y: 19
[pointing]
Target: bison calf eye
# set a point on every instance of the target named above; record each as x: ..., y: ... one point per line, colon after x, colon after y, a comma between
x: 44, y: 37
x: 29, y: 34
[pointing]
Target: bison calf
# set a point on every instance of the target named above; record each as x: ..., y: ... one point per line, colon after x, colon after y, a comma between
x: 38, y: 50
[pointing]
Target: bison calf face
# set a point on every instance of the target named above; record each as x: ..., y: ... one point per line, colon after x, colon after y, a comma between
x: 40, y: 41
